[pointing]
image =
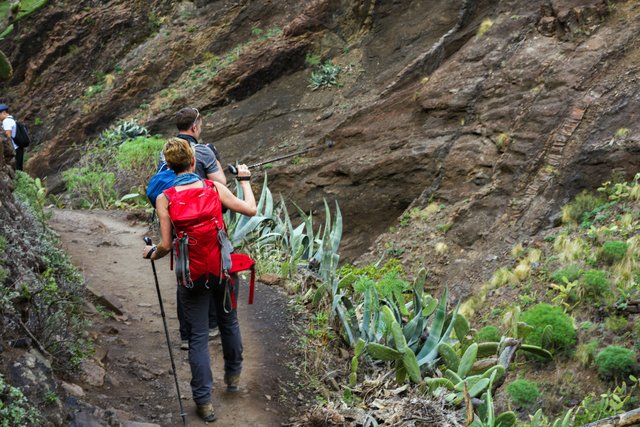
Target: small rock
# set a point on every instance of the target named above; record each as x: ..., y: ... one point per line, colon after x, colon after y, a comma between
x: 344, y: 354
x: 267, y: 396
x: 22, y: 343
x: 324, y: 116
x: 92, y: 373
x: 270, y: 279
x: 109, y: 302
x: 138, y: 424
x: 73, y: 389
x: 144, y: 304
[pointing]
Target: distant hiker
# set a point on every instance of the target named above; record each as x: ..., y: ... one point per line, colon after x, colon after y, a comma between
x: 194, y: 208
x: 9, y: 127
x: 189, y: 124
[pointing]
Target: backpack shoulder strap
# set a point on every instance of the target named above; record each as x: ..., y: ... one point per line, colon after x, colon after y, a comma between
x: 169, y: 193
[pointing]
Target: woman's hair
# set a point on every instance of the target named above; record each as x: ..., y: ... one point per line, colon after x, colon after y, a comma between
x: 178, y: 154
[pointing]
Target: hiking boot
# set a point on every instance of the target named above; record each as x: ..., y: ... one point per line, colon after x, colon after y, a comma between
x: 206, y: 412
x: 232, y: 382
x: 213, y: 332
x: 184, y: 345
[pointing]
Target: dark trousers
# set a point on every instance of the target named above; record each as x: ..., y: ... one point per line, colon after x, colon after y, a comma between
x: 195, y: 302
x: 19, y: 158
x: 184, y: 330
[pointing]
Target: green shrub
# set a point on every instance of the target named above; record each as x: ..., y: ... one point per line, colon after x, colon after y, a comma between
x: 31, y: 192
x: 371, y: 271
x: 97, y: 188
x: 595, y: 284
x: 488, y: 334
x: 615, y: 362
x: 585, y: 353
x: 15, y: 409
x: 571, y: 273
x: 139, y: 156
x: 560, y: 336
x: 325, y: 75
x: 613, y: 251
x: 523, y: 392
x: 584, y: 203
x: 616, y: 323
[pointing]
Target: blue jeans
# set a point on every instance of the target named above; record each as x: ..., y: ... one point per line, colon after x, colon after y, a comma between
x: 196, y: 303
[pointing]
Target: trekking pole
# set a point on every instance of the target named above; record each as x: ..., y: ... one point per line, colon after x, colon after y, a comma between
x: 147, y: 240
x: 234, y: 170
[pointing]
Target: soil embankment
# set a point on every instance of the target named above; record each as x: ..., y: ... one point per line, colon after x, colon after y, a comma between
x: 130, y: 375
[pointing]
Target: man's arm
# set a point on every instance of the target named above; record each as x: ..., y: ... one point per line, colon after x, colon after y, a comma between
x: 8, y: 138
x: 218, y: 176
x: 210, y: 163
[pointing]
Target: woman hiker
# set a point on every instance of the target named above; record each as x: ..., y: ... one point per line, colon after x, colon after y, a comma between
x: 193, y: 206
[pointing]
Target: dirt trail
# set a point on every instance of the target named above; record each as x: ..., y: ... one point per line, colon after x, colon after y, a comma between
x: 138, y: 380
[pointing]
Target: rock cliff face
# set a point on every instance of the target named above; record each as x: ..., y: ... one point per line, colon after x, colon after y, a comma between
x: 500, y: 111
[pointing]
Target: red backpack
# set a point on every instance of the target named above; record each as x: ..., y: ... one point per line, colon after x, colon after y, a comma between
x: 201, y: 247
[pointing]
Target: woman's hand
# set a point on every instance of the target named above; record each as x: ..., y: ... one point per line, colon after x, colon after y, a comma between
x: 148, y: 251
x: 243, y: 171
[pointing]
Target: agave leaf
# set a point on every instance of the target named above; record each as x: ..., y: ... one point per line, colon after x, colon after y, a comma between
x: 366, y: 313
x: 336, y: 232
x: 461, y: 327
x: 432, y: 353
x: 419, y: 282
x: 242, y: 230
x: 429, y: 305
x: 486, y: 349
x: 345, y: 318
x: 449, y: 356
x: 265, y: 203
x: 308, y: 222
x: 538, y: 351
x: 413, y: 331
x: 401, y: 372
x: 452, y: 376
x: 319, y: 293
x: 434, y: 383
x: 435, y: 330
x: 382, y: 352
x: 359, y: 348
x: 506, y: 419
x: 467, y: 360
x: 396, y: 332
x: 478, y: 387
x: 411, y: 365
x: 496, y: 372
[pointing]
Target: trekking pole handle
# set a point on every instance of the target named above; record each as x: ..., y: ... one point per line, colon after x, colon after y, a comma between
x: 147, y: 240
x: 232, y: 169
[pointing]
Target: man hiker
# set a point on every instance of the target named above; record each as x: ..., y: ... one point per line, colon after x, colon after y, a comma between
x: 189, y: 124
x: 9, y: 127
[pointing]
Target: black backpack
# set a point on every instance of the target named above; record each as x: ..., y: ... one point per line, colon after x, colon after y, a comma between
x: 22, y: 135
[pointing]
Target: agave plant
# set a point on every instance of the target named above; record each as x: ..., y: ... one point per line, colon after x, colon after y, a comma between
x: 243, y: 229
x: 486, y: 413
x: 383, y: 321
